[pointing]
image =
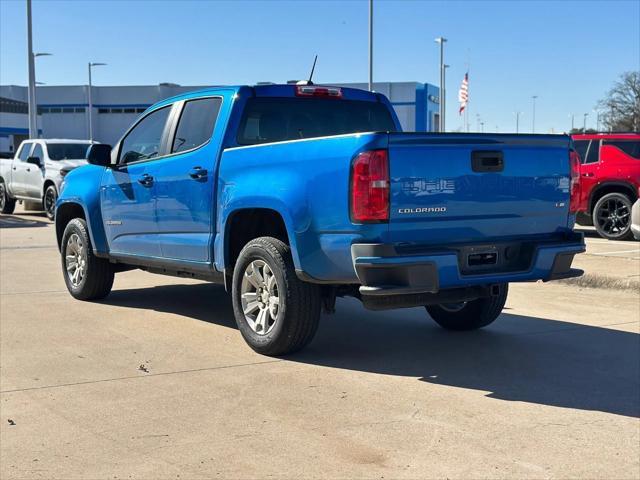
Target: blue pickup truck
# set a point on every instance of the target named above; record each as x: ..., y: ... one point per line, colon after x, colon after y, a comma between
x: 293, y: 195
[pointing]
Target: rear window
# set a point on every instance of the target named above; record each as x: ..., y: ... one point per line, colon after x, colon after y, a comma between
x: 630, y: 147
x: 67, y: 151
x: 274, y: 119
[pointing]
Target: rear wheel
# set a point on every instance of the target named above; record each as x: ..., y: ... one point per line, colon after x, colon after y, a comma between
x: 469, y: 315
x: 7, y: 204
x: 87, y: 277
x: 612, y: 216
x: 49, y: 201
x: 276, y: 312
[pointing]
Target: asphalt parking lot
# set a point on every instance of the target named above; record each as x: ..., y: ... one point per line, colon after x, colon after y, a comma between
x: 156, y: 382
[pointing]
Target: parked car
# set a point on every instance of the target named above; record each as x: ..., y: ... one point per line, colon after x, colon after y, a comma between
x: 609, y: 182
x: 288, y: 196
x: 37, y: 170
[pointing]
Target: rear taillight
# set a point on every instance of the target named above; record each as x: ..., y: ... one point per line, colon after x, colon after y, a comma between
x: 370, y: 187
x: 574, y: 162
x: 313, y: 91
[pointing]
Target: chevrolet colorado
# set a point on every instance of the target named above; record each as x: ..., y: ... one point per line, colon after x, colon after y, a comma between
x: 293, y: 195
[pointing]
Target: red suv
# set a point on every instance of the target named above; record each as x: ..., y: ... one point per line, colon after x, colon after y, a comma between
x: 609, y: 182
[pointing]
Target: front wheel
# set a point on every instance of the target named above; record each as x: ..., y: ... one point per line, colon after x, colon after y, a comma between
x: 470, y: 315
x: 612, y: 217
x: 7, y: 204
x: 276, y: 312
x: 49, y: 201
x: 87, y: 277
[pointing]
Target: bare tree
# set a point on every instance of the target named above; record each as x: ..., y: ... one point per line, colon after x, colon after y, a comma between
x: 621, y: 107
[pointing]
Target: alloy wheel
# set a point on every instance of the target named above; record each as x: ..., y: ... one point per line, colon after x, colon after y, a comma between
x: 260, y: 297
x: 75, y: 259
x: 613, y: 217
x: 50, y: 201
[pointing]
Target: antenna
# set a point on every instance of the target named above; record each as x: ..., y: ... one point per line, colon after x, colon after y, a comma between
x: 309, y: 82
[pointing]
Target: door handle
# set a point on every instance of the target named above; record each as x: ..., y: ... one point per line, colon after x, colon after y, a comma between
x: 28, y: 169
x: 145, y: 180
x: 15, y: 168
x: 198, y: 173
x: 587, y: 174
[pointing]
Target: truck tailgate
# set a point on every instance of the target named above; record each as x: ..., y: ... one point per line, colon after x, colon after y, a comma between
x: 471, y: 188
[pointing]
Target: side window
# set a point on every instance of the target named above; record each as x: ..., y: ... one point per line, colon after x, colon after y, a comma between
x: 143, y: 142
x: 196, y: 123
x: 37, y: 152
x: 631, y: 148
x: 593, y: 156
x: 24, y: 151
x: 581, y: 147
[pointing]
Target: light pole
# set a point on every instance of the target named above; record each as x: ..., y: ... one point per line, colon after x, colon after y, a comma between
x: 572, y: 116
x: 89, y: 98
x: 482, y: 127
x: 477, y: 122
x: 518, y: 121
x: 533, y: 120
x: 584, y: 123
x: 33, y: 116
x: 441, y: 41
x: 597, y: 112
x: 370, y: 45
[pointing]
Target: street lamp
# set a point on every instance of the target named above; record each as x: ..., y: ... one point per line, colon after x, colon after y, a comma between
x: 584, y: 123
x: 33, y: 113
x: 441, y: 41
x: 597, y: 112
x: 533, y: 120
x: 482, y: 127
x: 89, y: 98
x: 572, y: 116
x: 518, y: 121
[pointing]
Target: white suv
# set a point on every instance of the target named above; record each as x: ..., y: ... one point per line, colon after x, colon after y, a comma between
x: 36, y: 172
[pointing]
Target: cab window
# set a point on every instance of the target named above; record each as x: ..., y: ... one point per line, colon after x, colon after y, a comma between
x: 144, y: 141
x: 37, y: 152
x: 24, y: 151
x: 196, y: 123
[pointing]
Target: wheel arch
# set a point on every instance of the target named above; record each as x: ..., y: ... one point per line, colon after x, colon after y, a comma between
x: 611, y: 187
x: 66, y: 211
x: 244, y: 224
x: 48, y: 182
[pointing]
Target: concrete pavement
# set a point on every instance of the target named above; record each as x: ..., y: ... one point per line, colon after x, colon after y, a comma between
x: 156, y: 382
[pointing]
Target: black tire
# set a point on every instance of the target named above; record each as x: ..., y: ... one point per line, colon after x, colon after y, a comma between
x: 49, y: 201
x: 98, y: 275
x: 612, y: 217
x: 299, y: 309
x: 7, y: 204
x: 470, y: 315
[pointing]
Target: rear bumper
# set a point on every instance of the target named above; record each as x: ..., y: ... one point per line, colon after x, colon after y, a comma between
x: 385, y: 269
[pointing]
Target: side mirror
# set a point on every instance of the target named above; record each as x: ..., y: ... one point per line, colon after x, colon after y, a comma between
x: 34, y: 161
x: 99, y: 154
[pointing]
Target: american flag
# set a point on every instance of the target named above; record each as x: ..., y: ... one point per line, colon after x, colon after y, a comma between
x: 463, y: 93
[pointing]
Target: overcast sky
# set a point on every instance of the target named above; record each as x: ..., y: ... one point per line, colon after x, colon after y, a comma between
x: 568, y: 53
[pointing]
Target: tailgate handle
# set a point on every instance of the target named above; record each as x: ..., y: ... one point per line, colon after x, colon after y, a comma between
x: 486, y: 161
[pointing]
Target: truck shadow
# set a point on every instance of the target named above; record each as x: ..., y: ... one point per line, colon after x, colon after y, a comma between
x: 519, y: 358
x: 9, y: 221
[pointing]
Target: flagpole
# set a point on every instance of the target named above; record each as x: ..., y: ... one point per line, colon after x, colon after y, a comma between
x: 466, y: 110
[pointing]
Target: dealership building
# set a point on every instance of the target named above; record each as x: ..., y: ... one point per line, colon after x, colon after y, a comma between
x: 63, y: 110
